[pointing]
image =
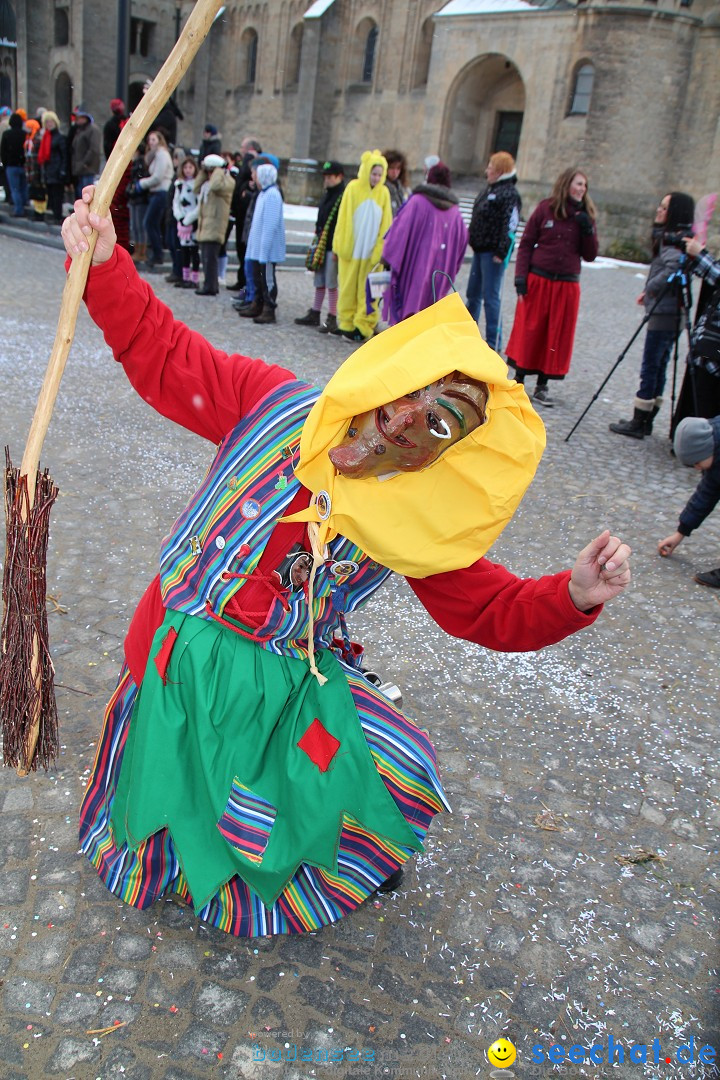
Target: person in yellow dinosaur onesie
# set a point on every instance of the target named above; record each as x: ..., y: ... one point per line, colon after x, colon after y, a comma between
x: 364, y: 217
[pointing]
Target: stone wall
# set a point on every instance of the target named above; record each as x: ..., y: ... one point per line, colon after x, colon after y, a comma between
x: 438, y: 84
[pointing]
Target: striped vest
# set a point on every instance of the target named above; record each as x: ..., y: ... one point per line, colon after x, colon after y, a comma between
x: 226, y: 525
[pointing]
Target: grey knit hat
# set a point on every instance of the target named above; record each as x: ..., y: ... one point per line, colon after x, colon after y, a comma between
x: 693, y: 440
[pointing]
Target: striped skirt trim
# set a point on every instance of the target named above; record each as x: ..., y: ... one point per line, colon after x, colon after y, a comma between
x: 404, y: 757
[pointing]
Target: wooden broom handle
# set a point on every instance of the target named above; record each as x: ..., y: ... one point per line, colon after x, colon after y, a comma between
x: 194, y: 33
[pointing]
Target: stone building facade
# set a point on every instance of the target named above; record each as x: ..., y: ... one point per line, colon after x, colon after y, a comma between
x: 627, y: 89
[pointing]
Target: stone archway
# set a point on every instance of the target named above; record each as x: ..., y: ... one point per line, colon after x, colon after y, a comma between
x: 483, y: 114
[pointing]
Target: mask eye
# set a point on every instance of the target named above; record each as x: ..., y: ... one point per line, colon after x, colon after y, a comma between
x: 414, y: 395
x: 438, y: 427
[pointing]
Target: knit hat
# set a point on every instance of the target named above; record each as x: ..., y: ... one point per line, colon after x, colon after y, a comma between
x: 211, y: 129
x: 439, y: 174
x: 213, y: 161
x: 50, y: 115
x: 117, y: 105
x: 332, y: 168
x: 80, y: 110
x: 694, y: 440
x: 265, y: 159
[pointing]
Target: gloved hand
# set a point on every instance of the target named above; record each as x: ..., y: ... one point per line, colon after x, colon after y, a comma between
x: 583, y: 219
x: 521, y: 286
x: 184, y: 232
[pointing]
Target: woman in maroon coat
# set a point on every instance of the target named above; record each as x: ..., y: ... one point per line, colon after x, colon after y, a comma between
x: 561, y: 231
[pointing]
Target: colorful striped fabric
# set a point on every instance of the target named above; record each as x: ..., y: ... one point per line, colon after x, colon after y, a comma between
x: 404, y: 757
x: 231, y: 515
x: 247, y: 821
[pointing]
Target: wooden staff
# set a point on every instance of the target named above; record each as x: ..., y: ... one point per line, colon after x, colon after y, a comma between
x: 23, y: 698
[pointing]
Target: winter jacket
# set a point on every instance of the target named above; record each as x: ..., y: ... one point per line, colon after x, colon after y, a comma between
x: 555, y: 246
x: 266, y: 242
x: 399, y: 195
x: 215, y: 192
x: 707, y: 494
x: 111, y: 132
x: 209, y: 146
x: 54, y: 169
x: 160, y: 171
x: 705, y: 340
x: 329, y: 200
x: 86, y: 150
x: 495, y: 216
x: 12, y: 144
x: 661, y: 298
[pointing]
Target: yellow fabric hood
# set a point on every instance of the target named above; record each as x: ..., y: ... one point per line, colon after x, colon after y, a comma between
x: 445, y: 516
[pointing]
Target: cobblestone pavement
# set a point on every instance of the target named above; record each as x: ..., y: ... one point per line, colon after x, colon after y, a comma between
x: 529, y: 914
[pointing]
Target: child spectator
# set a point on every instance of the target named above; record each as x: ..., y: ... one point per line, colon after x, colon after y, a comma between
x: 324, y: 258
x: 185, y: 212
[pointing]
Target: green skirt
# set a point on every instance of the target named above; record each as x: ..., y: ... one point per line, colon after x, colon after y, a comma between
x: 249, y: 763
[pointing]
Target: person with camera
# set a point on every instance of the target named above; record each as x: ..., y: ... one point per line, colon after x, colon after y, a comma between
x: 664, y: 305
x: 697, y: 444
x: 700, y: 391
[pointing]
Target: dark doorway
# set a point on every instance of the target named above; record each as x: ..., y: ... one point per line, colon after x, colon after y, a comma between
x: 507, y: 132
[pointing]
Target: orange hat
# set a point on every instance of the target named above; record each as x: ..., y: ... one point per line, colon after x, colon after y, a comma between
x: 22, y: 113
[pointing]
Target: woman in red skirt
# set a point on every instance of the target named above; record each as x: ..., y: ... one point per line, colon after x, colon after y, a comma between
x: 561, y: 231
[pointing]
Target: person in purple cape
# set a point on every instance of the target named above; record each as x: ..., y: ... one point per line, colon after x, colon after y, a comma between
x: 428, y: 234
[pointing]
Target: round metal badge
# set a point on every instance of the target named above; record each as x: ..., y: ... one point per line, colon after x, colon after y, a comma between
x: 343, y: 568
x: 250, y: 508
x: 323, y: 503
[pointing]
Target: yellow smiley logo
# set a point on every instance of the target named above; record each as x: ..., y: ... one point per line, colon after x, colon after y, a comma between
x: 501, y: 1054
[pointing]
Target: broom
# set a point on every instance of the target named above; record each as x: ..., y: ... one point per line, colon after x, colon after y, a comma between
x: 28, y: 713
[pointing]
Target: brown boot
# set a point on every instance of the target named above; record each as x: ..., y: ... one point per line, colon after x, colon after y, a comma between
x: 251, y: 310
x: 267, y: 315
x: 138, y: 255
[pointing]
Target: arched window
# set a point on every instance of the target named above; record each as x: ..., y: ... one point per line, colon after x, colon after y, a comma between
x: 292, y: 67
x: 62, y: 27
x: 63, y: 97
x: 369, y: 54
x: 422, y: 55
x: 249, y: 42
x: 582, y: 90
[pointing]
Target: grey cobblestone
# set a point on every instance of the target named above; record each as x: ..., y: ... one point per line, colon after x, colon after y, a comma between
x: 503, y: 923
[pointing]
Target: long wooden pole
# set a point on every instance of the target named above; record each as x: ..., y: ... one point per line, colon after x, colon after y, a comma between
x: 194, y: 33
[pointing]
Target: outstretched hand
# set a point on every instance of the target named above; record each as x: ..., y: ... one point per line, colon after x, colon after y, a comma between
x: 79, y: 227
x: 601, y: 571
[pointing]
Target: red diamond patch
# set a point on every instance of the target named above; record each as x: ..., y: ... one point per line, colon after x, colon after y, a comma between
x: 319, y: 745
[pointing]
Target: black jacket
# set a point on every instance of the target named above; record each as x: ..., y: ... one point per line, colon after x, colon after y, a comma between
x: 55, y: 170
x: 12, y: 144
x: 330, y: 199
x: 495, y: 215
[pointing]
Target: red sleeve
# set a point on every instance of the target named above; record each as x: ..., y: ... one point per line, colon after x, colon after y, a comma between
x: 487, y: 604
x: 172, y: 367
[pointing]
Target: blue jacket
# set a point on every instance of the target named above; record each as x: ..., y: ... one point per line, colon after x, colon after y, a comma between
x: 266, y: 242
x: 707, y: 493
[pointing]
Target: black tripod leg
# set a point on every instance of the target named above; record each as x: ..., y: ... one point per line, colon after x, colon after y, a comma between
x: 607, y: 379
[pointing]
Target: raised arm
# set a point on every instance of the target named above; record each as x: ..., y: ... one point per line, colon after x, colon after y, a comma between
x: 487, y: 604
x: 179, y: 373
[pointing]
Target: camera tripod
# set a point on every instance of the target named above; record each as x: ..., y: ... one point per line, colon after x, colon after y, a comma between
x: 679, y: 283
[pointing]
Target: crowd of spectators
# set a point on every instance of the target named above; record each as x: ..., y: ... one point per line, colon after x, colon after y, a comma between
x: 383, y: 248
